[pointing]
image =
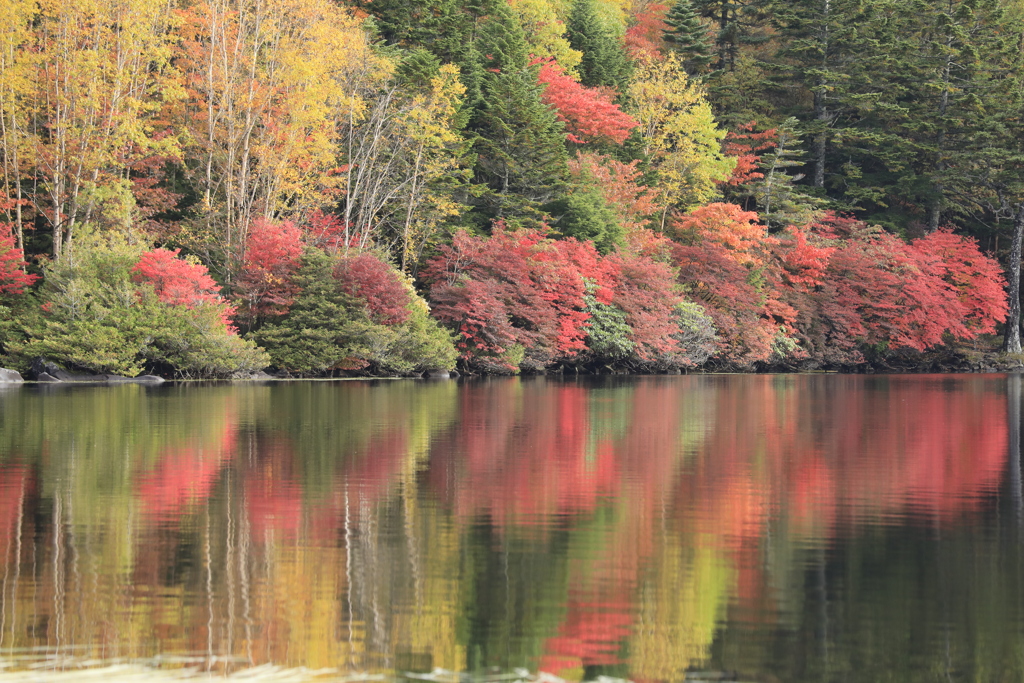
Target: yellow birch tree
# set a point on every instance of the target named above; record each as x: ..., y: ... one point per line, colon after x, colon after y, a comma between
x: 83, y: 88
x: 271, y: 84
x: 679, y: 136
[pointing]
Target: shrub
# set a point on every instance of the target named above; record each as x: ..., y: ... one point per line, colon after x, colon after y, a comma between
x: 111, y: 307
x: 13, y: 278
x: 522, y: 295
x: 265, y: 286
x: 345, y: 318
x: 516, y: 288
x: 727, y: 263
x: 855, y: 287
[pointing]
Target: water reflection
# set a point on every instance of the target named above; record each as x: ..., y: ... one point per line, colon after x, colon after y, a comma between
x: 785, y: 527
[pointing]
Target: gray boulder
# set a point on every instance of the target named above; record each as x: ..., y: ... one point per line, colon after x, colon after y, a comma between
x: 41, y: 366
x: 10, y: 376
x: 43, y: 370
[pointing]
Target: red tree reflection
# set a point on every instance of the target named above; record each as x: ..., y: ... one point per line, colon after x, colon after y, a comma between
x: 822, y: 454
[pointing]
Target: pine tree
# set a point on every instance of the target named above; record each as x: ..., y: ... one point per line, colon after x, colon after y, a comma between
x: 584, y: 213
x: 415, y: 23
x: 919, y: 109
x: 521, y: 157
x: 779, y: 199
x: 825, y: 42
x: 739, y: 22
x: 605, y: 62
x: 961, y: 44
x: 688, y: 37
x: 986, y: 176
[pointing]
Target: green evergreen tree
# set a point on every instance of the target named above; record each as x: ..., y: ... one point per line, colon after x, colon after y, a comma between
x: 739, y: 23
x: 415, y: 23
x: 324, y: 326
x: 688, y: 37
x: 779, y: 199
x: 519, y: 141
x: 327, y: 330
x: 985, y: 181
x: 605, y: 62
x: 828, y: 47
x: 584, y: 214
x: 962, y: 44
x: 919, y: 109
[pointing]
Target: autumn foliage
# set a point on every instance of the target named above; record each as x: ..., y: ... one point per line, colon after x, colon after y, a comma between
x: 832, y: 289
x: 644, y: 37
x: 880, y: 292
x: 244, y: 137
x: 589, y: 114
x: 725, y: 261
x: 179, y: 282
x: 367, y: 278
x: 272, y: 254
x: 513, y: 299
x: 620, y: 184
x: 745, y: 144
x: 522, y: 300
x: 13, y: 278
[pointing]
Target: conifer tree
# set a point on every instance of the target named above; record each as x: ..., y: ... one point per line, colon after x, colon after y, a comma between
x: 412, y: 23
x: 779, y: 199
x: 961, y: 45
x: 985, y: 182
x: 605, y: 62
x: 521, y: 157
x: 688, y: 37
x: 826, y: 43
x: 584, y: 213
x: 739, y: 23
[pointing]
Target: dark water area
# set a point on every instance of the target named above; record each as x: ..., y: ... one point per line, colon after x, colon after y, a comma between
x: 774, y: 528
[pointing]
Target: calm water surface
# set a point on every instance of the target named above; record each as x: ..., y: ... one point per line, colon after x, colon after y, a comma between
x: 785, y: 528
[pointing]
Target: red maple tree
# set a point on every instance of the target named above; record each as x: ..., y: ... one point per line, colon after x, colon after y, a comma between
x: 366, y: 277
x: 272, y: 255
x: 512, y: 288
x: 744, y: 144
x: 725, y: 261
x: 644, y: 37
x: 590, y: 114
x: 13, y: 278
x: 179, y: 282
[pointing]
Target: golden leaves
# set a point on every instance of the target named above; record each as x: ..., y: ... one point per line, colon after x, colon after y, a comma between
x: 680, y: 137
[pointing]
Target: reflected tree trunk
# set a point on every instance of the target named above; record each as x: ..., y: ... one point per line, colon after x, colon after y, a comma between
x: 1013, y: 396
x: 16, y: 561
x: 823, y: 627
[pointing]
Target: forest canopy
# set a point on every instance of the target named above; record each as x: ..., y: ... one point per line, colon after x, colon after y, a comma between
x: 316, y: 187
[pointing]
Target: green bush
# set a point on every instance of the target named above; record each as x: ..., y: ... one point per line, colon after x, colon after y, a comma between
x: 327, y: 330
x: 95, y: 318
x: 609, y: 336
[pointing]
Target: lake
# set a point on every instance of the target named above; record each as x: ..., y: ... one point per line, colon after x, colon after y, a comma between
x: 741, y: 527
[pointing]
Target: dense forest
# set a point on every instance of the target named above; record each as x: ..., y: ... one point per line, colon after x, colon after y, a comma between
x: 211, y: 188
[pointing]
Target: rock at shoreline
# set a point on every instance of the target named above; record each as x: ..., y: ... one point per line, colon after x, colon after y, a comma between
x: 44, y: 371
x: 438, y: 374
x: 259, y: 374
x: 10, y: 376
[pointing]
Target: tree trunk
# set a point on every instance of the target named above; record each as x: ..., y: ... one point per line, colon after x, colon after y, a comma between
x: 1011, y: 338
x: 821, y: 103
x: 935, y: 204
